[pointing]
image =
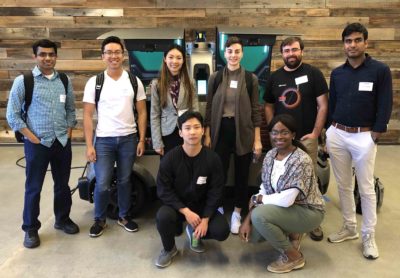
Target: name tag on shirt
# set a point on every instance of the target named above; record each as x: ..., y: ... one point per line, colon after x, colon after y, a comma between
x: 180, y: 112
x: 233, y: 84
x: 301, y: 80
x: 365, y: 86
x: 63, y: 98
x: 201, y: 180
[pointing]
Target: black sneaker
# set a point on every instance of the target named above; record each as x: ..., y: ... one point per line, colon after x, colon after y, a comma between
x: 69, y: 227
x: 31, y: 239
x: 97, y: 228
x: 128, y: 224
x: 317, y: 234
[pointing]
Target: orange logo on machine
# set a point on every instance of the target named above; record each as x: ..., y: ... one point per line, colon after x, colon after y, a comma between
x: 290, y: 98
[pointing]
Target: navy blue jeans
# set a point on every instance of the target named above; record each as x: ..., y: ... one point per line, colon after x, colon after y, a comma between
x: 122, y: 150
x: 37, y: 159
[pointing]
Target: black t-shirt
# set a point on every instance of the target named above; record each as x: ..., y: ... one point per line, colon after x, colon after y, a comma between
x: 296, y: 93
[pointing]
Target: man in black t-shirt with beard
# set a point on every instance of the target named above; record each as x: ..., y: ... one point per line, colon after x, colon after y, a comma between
x: 300, y: 90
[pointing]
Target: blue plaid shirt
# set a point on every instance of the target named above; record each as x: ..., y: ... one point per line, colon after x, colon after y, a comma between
x: 50, y: 114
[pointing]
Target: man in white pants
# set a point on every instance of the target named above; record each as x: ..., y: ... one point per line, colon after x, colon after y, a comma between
x: 360, y: 104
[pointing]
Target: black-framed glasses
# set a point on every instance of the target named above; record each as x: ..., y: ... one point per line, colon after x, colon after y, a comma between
x: 116, y: 52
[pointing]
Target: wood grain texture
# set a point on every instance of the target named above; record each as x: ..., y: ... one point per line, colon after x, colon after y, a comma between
x: 75, y: 25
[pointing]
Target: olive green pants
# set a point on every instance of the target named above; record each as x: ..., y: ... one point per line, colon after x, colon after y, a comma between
x: 273, y: 223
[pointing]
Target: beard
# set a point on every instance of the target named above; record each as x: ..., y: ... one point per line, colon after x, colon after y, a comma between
x: 293, y: 64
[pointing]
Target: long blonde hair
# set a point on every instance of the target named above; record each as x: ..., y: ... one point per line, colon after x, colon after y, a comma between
x: 165, y: 78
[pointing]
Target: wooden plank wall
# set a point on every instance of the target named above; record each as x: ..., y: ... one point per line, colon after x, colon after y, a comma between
x: 76, y: 24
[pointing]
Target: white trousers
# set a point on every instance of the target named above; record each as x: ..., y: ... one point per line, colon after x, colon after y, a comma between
x: 358, y: 150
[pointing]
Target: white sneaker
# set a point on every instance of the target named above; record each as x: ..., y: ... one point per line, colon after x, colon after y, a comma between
x: 235, y: 223
x: 370, y: 250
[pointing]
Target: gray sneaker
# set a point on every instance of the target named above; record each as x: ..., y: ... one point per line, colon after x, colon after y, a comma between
x: 342, y: 235
x: 165, y: 257
x: 370, y: 250
x: 195, y: 245
x: 283, y: 264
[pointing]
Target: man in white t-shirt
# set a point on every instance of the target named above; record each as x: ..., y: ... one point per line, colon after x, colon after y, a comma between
x: 118, y: 139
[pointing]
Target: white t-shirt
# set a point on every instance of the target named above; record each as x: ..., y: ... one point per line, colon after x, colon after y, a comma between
x: 277, y: 171
x: 115, y: 115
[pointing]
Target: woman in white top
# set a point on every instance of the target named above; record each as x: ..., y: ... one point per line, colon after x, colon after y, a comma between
x: 289, y: 202
x: 171, y: 94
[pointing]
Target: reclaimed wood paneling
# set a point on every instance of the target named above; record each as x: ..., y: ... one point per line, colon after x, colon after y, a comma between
x: 198, y: 4
x: 26, y: 11
x: 4, y: 74
x: 37, y: 21
x: 265, y: 4
x: 121, y: 3
x: 81, y: 44
x: 164, y: 12
x: 87, y: 12
x: 116, y: 22
x: 295, y: 22
x: 75, y: 25
x: 22, y: 33
x: 363, y: 4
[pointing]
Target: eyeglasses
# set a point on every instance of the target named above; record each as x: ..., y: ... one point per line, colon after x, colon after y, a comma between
x: 282, y: 132
x: 116, y: 52
x: 45, y: 54
x: 288, y: 50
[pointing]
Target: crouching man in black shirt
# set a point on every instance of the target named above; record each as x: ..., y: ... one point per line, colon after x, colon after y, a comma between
x: 189, y: 183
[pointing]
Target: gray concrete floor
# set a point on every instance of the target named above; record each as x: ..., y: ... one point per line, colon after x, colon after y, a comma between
x: 121, y: 253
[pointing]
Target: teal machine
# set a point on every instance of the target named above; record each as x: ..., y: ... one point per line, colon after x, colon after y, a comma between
x: 146, y: 48
x: 257, y: 50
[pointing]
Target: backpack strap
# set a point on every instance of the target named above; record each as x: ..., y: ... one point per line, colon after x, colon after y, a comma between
x: 100, y: 82
x: 28, y: 84
x: 64, y: 80
x: 134, y: 83
x: 99, y: 86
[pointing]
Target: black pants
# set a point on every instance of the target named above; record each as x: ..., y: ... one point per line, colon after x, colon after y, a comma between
x: 169, y: 224
x: 226, y: 145
x: 172, y: 140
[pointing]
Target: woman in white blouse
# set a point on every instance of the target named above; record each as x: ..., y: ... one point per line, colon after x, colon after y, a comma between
x: 289, y: 202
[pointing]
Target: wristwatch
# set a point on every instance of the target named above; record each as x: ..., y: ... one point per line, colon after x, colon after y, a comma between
x: 254, y: 200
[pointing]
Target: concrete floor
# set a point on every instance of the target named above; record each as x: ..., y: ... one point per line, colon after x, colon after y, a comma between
x: 121, y: 253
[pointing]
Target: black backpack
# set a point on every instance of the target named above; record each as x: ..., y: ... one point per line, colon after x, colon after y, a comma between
x: 100, y: 82
x: 29, y: 84
x: 248, y: 77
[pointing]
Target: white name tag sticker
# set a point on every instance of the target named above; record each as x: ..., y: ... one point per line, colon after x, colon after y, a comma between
x: 365, y: 86
x: 233, y: 84
x: 301, y: 80
x: 180, y: 112
x: 63, y: 98
x: 201, y: 180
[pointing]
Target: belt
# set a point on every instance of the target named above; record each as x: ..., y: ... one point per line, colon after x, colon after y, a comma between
x: 351, y: 129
